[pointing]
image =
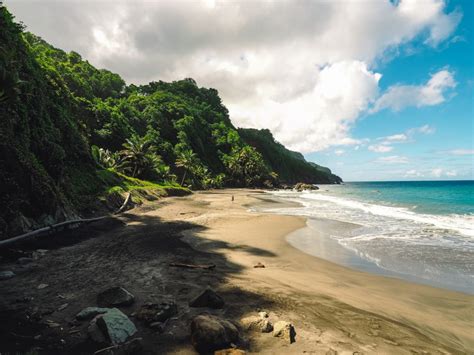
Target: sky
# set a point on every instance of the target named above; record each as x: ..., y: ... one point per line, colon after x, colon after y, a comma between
x: 373, y: 89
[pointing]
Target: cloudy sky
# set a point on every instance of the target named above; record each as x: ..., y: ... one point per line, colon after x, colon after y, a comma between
x: 374, y: 89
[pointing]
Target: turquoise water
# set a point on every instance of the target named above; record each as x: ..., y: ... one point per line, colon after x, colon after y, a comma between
x: 435, y: 197
x: 419, y: 230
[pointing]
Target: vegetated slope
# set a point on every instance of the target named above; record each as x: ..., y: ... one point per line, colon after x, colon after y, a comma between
x: 290, y: 166
x: 70, y: 133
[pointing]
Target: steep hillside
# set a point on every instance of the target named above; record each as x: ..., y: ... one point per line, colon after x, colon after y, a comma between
x: 70, y: 133
x: 290, y: 166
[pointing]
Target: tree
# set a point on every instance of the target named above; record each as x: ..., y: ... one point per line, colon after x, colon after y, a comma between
x: 187, y: 160
x: 140, y: 155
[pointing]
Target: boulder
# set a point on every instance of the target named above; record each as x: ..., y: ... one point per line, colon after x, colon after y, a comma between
x: 115, y: 296
x: 301, y: 186
x: 257, y: 323
x: 90, y: 312
x: 115, y: 326
x: 259, y: 265
x: 156, y: 312
x: 210, y: 333
x: 5, y: 275
x: 284, y: 330
x: 207, y: 298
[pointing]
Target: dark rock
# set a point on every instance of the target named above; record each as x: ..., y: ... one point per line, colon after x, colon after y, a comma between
x: 156, y: 312
x: 114, y: 326
x: 259, y: 265
x: 115, y: 296
x: 90, y: 312
x: 210, y: 333
x: 5, y: 275
x: 301, y: 186
x: 207, y: 298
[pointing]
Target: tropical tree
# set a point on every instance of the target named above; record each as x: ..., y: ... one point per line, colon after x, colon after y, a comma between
x: 187, y: 160
x: 139, y: 155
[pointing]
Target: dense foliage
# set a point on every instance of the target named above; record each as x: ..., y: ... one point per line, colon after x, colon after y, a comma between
x: 64, y: 122
x: 290, y: 166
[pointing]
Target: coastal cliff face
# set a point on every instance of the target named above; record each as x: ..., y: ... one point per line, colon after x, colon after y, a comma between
x: 56, y: 106
x: 290, y: 166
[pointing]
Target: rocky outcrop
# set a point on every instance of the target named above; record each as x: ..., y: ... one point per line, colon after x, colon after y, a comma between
x: 301, y: 186
x: 114, y: 297
x: 210, y: 333
x: 207, y: 298
x: 284, y: 330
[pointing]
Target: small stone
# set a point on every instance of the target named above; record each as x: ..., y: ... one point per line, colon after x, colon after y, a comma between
x: 210, y: 333
x: 263, y: 315
x: 159, y: 326
x: 115, y: 296
x: 156, y: 312
x: 24, y: 260
x: 5, y: 275
x: 257, y: 323
x: 284, y: 330
x: 39, y: 253
x: 41, y: 286
x: 331, y: 352
x: 90, y: 312
x: 63, y: 306
x: 259, y: 265
x: 208, y: 298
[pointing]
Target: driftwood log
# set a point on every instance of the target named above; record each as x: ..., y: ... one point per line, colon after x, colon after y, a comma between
x: 193, y: 266
x: 55, y: 227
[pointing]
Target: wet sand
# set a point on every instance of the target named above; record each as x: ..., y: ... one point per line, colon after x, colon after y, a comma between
x: 333, y: 308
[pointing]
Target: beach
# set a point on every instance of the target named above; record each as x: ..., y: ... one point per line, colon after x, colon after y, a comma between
x: 334, y: 309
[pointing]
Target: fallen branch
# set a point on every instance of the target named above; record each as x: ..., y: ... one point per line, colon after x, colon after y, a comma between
x: 193, y: 266
x: 53, y: 228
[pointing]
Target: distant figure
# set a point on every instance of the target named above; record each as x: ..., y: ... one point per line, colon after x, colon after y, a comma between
x: 232, y: 198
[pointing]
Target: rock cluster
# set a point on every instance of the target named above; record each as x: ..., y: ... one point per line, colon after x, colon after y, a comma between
x: 301, y: 186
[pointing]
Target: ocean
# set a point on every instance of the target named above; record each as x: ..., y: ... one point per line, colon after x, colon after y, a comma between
x: 422, y: 231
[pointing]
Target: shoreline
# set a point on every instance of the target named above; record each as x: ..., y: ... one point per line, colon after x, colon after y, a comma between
x: 416, y: 306
x: 333, y: 308
x: 316, y: 239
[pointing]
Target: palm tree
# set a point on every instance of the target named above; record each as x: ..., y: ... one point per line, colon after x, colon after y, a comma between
x: 187, y: 160
x: 137, y: 152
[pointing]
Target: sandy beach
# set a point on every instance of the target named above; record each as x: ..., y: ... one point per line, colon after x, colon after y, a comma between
x: 335, y: 310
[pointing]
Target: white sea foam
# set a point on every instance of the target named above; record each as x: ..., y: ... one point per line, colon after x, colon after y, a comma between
x: 463, y: 224
x: 437, y: 248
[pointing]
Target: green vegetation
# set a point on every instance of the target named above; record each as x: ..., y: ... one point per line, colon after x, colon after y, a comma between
x: 71, y: 133
x: 290, y: 166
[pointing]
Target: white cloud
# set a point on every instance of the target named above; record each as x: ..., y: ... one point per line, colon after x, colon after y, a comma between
x: 393, y: 159
x: 293, y: 67
x: 452, y: 173
x: 339, y: 152
x: 426, y: 129
x: 434, y: 92
x: 413, y: 173
x: 461, y: 152
x: 396, y: 137
x: 380, y: 148
x: 437, y: 172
